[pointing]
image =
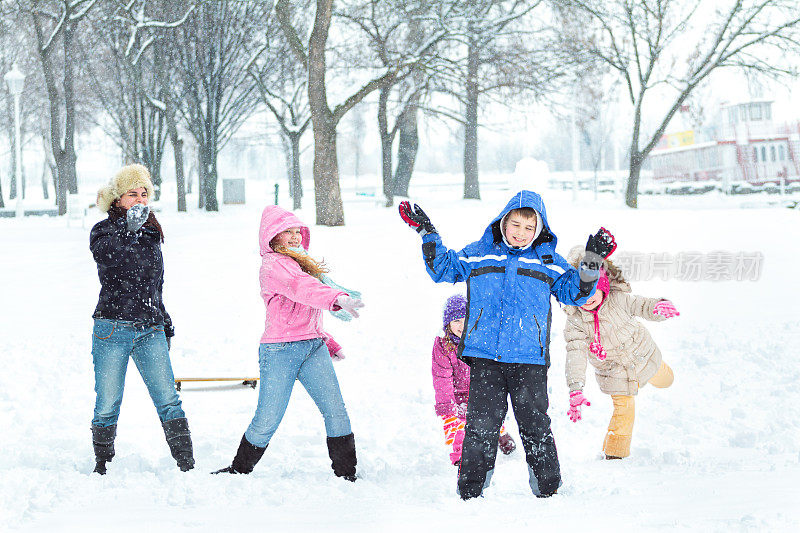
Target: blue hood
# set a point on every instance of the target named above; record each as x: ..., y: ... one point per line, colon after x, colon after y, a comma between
x: 493, y: 233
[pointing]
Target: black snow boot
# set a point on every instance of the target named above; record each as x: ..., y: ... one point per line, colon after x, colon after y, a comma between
x: 103, y: 442
x: 245, y: 460
x: 342, y: 451
x: 179, y: 440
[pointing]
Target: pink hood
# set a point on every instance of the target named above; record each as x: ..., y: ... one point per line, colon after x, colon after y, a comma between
x: 276, y: 219
x: 294, y: 300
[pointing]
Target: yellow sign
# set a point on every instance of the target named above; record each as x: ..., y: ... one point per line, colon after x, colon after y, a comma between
x: 682, y: 138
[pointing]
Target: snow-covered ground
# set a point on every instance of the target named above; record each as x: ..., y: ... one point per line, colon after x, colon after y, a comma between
x: 718, y: 451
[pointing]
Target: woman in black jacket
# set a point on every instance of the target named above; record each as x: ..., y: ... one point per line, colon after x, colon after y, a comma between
x: 130, y: 320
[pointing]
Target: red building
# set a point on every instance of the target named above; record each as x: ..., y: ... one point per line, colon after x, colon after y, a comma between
x: 744, y: 149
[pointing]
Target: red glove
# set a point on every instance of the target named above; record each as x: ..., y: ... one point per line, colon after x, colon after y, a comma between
x: 416, y: 218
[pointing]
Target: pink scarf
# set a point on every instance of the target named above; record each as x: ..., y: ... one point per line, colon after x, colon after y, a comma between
x: 595, y: 347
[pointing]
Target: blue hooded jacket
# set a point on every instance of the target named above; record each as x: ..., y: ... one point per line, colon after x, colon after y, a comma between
x: 508, y: 289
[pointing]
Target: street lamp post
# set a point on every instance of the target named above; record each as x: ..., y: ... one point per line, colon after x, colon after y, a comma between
x: 15, y: 80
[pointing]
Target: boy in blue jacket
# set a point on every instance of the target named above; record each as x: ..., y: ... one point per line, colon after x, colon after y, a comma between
x: 511, y: 272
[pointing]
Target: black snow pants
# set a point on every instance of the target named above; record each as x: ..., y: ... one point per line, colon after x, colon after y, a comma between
x: 489, y: 386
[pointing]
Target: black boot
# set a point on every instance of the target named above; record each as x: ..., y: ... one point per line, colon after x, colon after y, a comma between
x: 342, y: 451
x: 179, y: 440
x: 245, y: 460
x: 103, y: 442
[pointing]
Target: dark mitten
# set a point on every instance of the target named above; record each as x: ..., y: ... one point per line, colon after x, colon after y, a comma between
x: 598, y: 248
x: 136, y: 217
x: 601, y: 243
x: 416, y: 218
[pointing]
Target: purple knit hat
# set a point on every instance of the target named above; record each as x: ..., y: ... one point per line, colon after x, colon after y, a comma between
x: 454, y: 308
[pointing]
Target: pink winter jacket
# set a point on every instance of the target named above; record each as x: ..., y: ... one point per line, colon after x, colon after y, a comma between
x: 450, y: 378
x: 294, y: 300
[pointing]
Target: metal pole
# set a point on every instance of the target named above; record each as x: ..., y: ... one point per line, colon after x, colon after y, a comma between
x: 20, y: 212
x: 783, y: 180
x: 576, y: 152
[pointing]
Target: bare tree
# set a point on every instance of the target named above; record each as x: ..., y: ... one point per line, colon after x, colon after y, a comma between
x: 396, y: 33
x: 127, y: 63
x: 214, y: 48
x: 56, y: 24
x: 282, y: 84
x: 498, y: 49
x: 9, y: 56
x: 662, y: 50
x: 324, y: 120
x: 18, y: 46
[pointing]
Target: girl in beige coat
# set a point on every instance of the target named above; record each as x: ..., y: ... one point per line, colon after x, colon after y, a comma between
x: 605, y: 332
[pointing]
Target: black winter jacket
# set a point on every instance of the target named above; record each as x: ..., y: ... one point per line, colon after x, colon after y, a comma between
x: 131, y: 271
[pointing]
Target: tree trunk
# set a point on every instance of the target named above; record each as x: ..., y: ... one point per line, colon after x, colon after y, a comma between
x: 296, y: 186
x: 386, y: 145
x: 326, y: 167
x: 208, y: 187
x: 190, y: 173
x: 286, y: 144
x: 53, y: 100
x: 407, y: 148
x: 177, y: 150
x: 2, y: 204
x: 326, y: 178
x: 45, y: 188
x: 70, y: 157
x: 471, y: 184
x: 632, y: 192
x: 49, y: 163
x: 201, y: 176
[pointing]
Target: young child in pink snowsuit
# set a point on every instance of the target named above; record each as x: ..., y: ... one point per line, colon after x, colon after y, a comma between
x: 294, y: 347
x: 451, y: 381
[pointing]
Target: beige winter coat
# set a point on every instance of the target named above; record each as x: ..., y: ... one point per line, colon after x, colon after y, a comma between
x: 632, y: 355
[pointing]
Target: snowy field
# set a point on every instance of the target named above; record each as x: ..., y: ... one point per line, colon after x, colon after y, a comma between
x: 718, y: 451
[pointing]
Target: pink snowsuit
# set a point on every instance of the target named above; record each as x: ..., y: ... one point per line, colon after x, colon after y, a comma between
x: 451, y: 388
x: 450, y: 378
x: 294, y: 300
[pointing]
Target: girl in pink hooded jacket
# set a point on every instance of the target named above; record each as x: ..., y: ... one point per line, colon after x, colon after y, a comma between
x: 451, y: 381
x: 294, y: 346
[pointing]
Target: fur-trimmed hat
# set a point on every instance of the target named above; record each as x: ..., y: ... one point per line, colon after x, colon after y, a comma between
x: 128, y: 177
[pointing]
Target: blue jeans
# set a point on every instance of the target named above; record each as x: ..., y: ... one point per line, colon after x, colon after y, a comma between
x: 113, y: 343
x: 280, y: 364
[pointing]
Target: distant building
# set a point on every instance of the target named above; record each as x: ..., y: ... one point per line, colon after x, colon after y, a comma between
x: 744, y: 148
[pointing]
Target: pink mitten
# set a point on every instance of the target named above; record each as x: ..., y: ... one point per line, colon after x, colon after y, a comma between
x: 461, y: 411
x: 666, y: 309
x: 338, y: 356
x: 576, y: 399
x: 597, y: 349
